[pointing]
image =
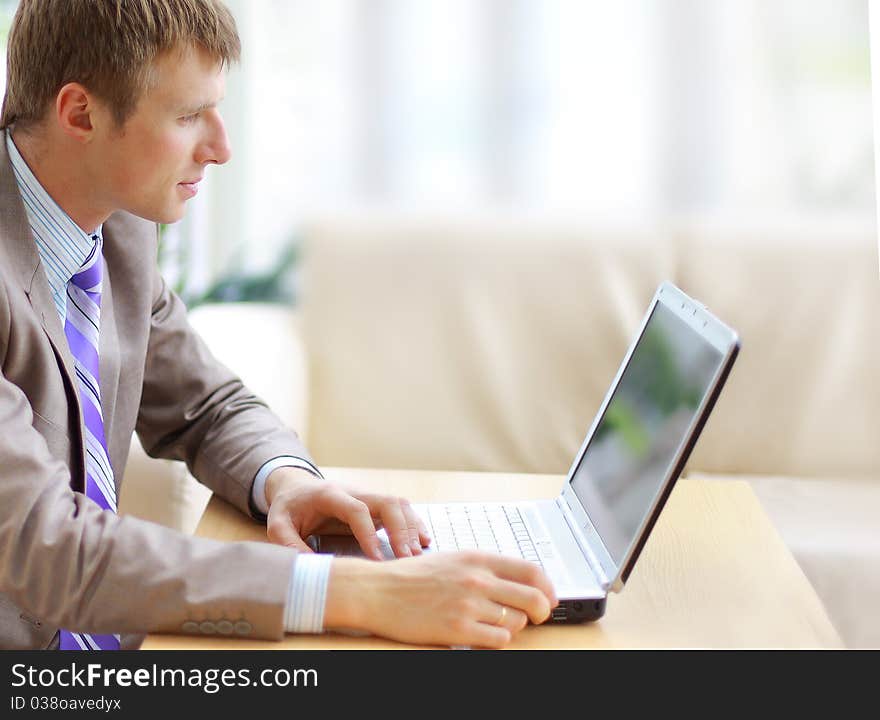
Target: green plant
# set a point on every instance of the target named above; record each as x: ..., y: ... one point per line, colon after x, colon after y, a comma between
x: 274, y: 285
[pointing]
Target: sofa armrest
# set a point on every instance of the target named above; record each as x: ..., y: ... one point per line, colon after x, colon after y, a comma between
x: 830, y: 526
x: 161, y: 491
x: 261, y: 344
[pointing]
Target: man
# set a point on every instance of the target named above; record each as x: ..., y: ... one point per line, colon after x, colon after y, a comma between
x: 110, y: 120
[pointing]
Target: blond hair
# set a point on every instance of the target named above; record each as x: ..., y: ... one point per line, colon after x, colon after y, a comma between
x: 108, y: 46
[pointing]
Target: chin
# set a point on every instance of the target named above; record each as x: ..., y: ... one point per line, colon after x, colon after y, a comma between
x: 163, y: 216
x: 173, y: 217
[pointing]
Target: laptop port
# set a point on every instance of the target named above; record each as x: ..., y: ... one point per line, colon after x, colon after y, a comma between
x: 560, y: 614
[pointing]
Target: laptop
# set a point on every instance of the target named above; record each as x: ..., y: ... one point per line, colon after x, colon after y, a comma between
x: 588, y: 538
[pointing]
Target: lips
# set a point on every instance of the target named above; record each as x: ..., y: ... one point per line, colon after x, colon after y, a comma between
x: 190, y: 187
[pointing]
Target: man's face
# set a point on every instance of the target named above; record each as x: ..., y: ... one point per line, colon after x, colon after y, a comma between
x: 154, y: 164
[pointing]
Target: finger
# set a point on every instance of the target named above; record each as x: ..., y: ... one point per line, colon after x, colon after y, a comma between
x: 391, y: 515
x: 521, y: 600
x: 505, y: 616
x: 523, y: 572
x: 479, y: 634
x: 356, y: 515
x: 280, y: 531
x: 425, y: 538
x: 415, y: 527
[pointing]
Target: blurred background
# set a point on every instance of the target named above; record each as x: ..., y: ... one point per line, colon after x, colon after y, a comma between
x: 562, y: 108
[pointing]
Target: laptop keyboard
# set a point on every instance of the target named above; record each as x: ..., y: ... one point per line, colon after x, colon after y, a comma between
x: 491, y: 528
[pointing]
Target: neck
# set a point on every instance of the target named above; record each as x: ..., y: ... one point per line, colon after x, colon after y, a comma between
x: 60, y: 170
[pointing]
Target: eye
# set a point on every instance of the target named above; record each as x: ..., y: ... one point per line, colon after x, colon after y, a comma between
x: 189, y: 119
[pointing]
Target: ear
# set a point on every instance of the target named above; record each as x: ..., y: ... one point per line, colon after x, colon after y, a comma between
x: 75, y: 108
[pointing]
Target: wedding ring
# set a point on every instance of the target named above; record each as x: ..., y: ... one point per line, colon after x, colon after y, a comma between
x: 503, y: 615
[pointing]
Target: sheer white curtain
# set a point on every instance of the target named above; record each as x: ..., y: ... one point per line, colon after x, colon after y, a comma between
x: 577, y: 107
x: 875, y: 77
x: 441, y: 105
x: 596, y: 110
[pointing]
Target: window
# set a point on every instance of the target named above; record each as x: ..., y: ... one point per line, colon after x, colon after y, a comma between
x: 580, y: 108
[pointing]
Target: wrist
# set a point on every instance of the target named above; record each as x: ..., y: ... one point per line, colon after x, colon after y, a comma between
x: 349, y: 588
x: 285, y: 476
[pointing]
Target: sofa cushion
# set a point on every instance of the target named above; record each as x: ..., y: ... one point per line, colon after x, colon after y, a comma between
x: 490, y: 345
x: 830, y: 526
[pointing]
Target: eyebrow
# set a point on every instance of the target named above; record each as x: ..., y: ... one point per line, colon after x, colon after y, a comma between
x: 191, y: 110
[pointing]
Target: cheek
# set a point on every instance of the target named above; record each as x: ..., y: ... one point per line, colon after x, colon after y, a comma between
x: 154, y: 165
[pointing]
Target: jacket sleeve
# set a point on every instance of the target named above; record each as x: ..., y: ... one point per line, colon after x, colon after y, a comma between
x: 195, y: 409
x: 67, y: 562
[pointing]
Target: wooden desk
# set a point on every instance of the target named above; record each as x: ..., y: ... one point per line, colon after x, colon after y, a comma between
x: 714, y: 573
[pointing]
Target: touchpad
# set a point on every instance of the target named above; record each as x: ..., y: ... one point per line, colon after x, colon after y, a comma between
x: 347, y: 546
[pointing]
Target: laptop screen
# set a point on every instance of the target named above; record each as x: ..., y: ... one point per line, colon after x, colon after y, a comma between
x: 645, y: 422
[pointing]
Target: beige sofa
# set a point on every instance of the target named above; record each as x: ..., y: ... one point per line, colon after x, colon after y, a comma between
x: 488, y: 344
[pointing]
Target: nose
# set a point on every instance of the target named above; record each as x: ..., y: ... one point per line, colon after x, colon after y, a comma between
x: 215, y: 148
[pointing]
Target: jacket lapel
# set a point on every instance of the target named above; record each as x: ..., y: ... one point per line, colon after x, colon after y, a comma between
x: 40, y: 297
x: 21, y: 251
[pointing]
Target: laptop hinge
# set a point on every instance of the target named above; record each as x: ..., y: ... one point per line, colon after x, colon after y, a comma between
x: 583, y: 544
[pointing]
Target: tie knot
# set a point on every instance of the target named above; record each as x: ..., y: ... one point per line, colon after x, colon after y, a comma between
x: 88, y: 277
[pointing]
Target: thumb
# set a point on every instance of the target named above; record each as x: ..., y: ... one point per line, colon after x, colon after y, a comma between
x: 281, y: 532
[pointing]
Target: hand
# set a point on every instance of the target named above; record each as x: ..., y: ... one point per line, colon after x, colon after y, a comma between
x: 301, y: 504
x: 455, y: 598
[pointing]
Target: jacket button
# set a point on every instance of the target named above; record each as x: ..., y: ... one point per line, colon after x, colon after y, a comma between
x: 224, y: 627
x: 190, y: 627
x: 243, y: 628
x: 207, y: 627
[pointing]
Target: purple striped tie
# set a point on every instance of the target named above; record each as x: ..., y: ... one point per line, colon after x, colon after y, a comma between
x: 81, y: 326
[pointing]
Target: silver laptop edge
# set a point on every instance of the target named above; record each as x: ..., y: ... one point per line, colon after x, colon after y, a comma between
x: 609, y: 575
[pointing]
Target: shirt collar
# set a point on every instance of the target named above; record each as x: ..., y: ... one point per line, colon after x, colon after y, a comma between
x: 61, y: 243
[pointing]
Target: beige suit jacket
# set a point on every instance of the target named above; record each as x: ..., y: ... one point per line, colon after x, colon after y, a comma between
x: 64, y: 562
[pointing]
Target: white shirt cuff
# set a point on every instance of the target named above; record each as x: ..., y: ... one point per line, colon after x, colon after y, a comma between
x: 258, y: 490
x: 307, y: 593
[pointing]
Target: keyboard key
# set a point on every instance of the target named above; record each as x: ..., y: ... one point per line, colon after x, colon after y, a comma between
x: 492, y: 528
